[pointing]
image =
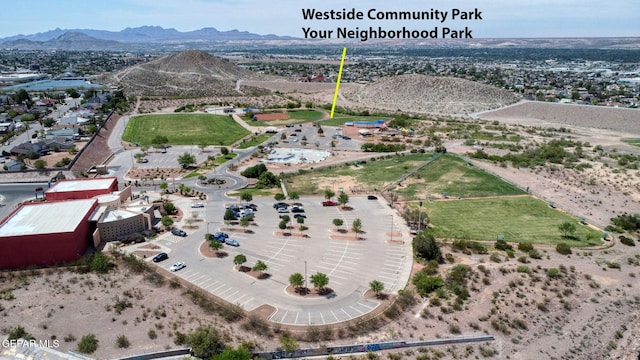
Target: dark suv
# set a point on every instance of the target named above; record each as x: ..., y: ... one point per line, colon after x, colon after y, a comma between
x: 160, y: 257
x: 178, y: 232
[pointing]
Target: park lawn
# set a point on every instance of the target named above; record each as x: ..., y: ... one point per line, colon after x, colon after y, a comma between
x: 184, y: 129
x: 254, y: 141
x: 452, y: 176
x: 635, y: 142
x: 519, y: 219
x: 305, y: 115
x: 373, y: 174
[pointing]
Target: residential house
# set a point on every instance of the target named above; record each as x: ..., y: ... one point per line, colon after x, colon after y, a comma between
x: 14, y: 165
x: 26, y: 148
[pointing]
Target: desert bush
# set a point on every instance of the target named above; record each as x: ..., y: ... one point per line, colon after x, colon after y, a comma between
x: 122, y: 342
x: 563, y: 249
x: 88, y: 344
x: 627, y: 241
x: 525, y: 247
x: 503, y: 245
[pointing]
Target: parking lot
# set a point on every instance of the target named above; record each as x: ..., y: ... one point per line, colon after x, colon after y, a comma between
x: 350, y: 264
x: 157, y: 159
x: 331, y: 133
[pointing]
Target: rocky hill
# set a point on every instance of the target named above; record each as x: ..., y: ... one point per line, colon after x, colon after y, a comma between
x: 429, y: 94
x: 191, y: 73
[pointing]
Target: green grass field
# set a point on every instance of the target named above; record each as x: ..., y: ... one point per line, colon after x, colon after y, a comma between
x: 184, y: 129
x: 373, y: 174
x: 454, y: 176
x: 635, y: 142
x: 295, y: 117
x: 519, y: 219
x: 254, y: 141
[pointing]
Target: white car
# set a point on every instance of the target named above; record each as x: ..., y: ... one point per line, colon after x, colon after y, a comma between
x: 177, y: 266
x: 197, y: 205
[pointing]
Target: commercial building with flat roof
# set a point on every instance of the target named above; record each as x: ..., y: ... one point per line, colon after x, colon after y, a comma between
x: 40, y: 234
x: 81, y: 188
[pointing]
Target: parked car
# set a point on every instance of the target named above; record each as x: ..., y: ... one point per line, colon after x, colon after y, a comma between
x: 280, y: 205
x: 298, y: 130
x: 178, y: 232
x: 329, y: 203
x: 160, y: 257
x: 177, y: 266
x: 372, y: 197
x: 299, y: 216
x: 220, y: 235
x: 231, y: 242
x: 283, y: 210
x: 197, y: 205
x: 297, y: 209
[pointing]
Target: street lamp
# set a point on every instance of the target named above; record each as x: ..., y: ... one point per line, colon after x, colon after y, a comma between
x: 305, y: 275
x: 391, y: 233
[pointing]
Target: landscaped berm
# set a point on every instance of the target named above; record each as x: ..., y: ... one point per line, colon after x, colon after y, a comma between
x: 184, y: 129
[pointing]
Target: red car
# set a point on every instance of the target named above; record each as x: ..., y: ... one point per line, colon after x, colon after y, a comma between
x: 329, y: 203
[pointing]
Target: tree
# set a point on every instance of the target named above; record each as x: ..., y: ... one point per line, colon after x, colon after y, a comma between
x: 229, y: 353
x: 328, y: 194
x: 279, y: 197
x: 294, y: 195
x: 288, y: 344
x: 205, y: 342
x: 300, y: 220
x: 356, y: 226
x: 424, y: 246
x: 164, y: 186
x: 267, y: 180
x: 229, y: 215
x: 239, y: 259
x: 343, y: 199
x: 166, y: 221
x: 40, y: 164
x: 244, y: 222
x: 319, y: 280
x: 224, y: 151
x: 376, y: 286
x: 260, y: 266
x: 338, y: 222
x: 283, y: 225
x: 216, y: 245
x: 185, y: 160
x: 567, y: 229
x: 417, y: 218
x: 169, y: 207
x: 159, y: 140
x: 296, y: 280
x: 246, y: 197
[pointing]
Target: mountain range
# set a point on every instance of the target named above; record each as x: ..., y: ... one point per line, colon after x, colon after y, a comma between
x: 159, y: 37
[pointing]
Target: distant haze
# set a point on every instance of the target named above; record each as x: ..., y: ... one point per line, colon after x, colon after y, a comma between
x: 500, y: 18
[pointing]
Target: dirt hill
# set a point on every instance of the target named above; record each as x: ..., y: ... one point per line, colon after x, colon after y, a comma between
x: 429, y: 94
x: 190, y: 73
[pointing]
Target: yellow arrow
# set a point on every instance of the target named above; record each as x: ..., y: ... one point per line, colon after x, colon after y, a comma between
x: 335, y: 96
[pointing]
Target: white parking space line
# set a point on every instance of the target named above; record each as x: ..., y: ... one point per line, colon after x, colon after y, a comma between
x: 216, y: 289
x: 244, y: 304
x: 216, y: 282
x: 357, y: 310
x: 237, y: 300
x: 334, y: 316
x: 231, y: 295
x: 226, y: 291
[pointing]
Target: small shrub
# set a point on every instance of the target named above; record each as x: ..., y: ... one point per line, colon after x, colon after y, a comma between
x: 563, y: 249
x: 525, y: 247
x: 627, y: 241
x: 88, y: 344
x: 122, y: 342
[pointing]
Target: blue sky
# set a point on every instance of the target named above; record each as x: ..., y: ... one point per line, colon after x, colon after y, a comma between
x: 501, y: 18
